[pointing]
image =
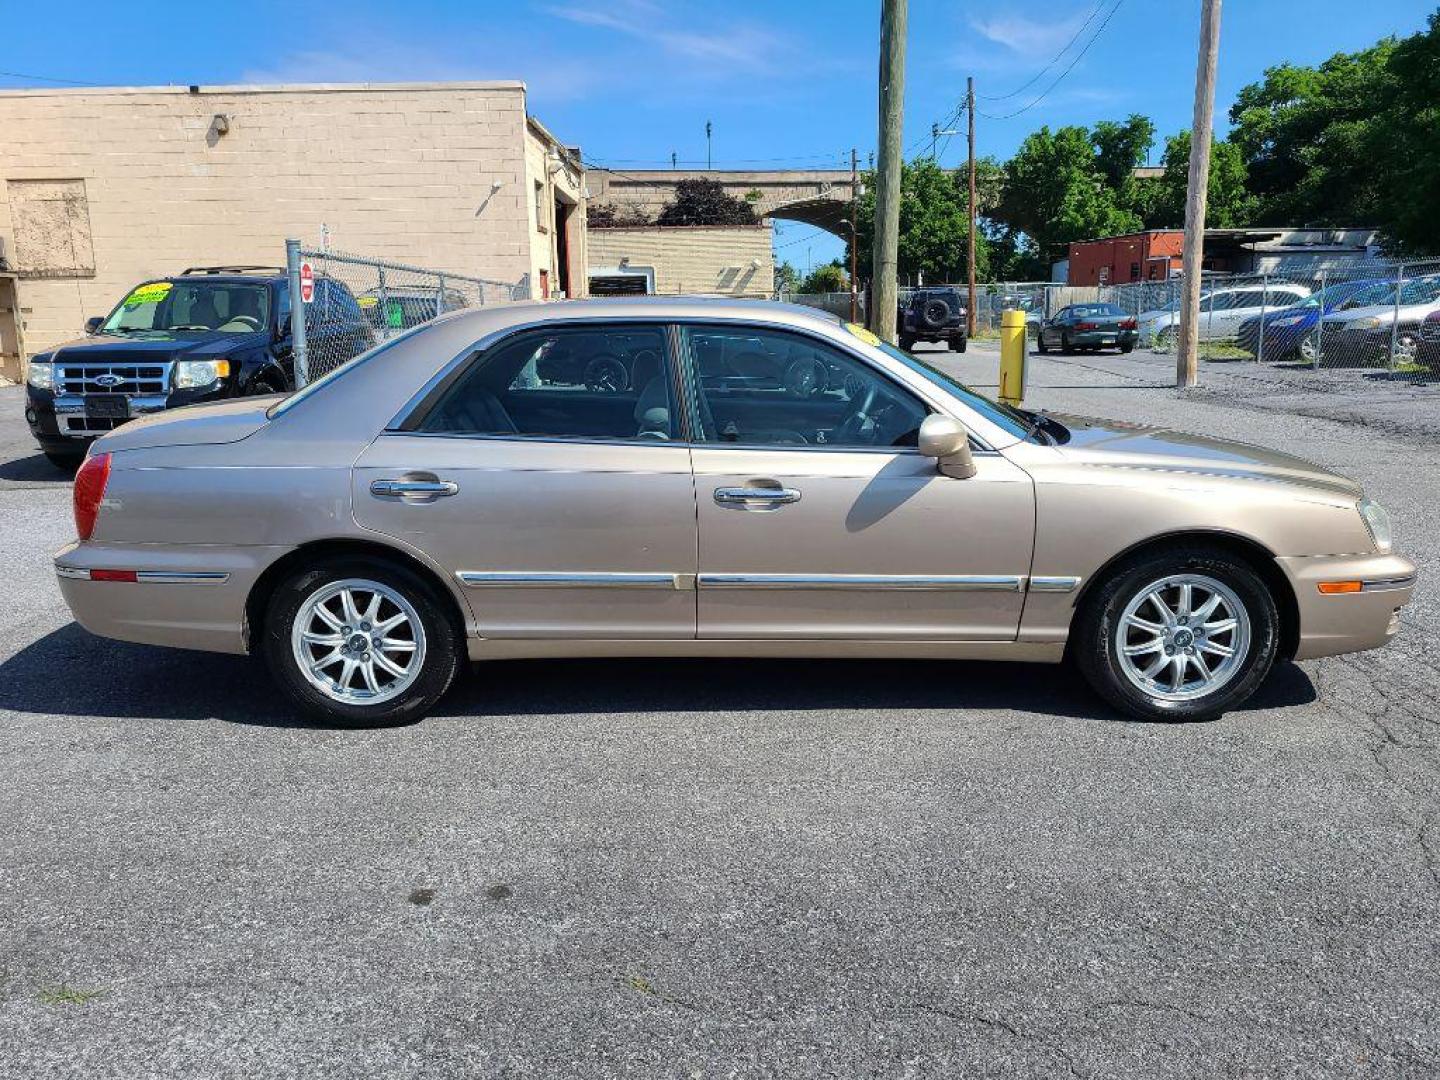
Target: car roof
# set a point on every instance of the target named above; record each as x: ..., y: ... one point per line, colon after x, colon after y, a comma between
x: 500, y: 316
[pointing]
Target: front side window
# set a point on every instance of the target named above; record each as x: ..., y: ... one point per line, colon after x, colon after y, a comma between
x: 598, y: 382
x: 230, y: 308
x: 762, y: 387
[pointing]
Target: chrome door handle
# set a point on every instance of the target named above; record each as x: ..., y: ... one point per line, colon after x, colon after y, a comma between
x: 749, y: 497
x: 423, y: 488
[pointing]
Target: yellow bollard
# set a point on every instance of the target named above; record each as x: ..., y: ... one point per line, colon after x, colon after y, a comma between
x: 1012, y: 356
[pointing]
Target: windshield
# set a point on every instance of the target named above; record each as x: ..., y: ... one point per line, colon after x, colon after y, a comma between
x: 1089, y: 311
x: 1420, y: 292
x: 1002, y: 416
x: 214, y: 306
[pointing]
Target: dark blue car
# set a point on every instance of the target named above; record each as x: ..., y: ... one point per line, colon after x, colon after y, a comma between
x: 1290, y: 331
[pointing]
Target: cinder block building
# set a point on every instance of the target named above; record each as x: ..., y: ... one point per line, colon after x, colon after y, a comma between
x: 105, y: 187
x: 724, y: 260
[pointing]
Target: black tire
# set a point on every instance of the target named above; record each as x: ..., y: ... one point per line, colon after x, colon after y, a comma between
x: 958, y: 343
x: 1096, y: 651
x: 1127, y: 348
x: 63, y: 460
x: 1040, y: 346
x: 443, y: 642
x: 907, y: 342
x: 934, y: 314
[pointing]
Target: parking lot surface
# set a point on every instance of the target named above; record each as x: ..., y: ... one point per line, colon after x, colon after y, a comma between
x: 724, y: 868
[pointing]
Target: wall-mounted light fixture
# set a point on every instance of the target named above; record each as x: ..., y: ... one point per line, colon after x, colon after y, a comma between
x: 220, y: 124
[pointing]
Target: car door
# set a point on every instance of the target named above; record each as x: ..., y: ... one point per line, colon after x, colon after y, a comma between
x: 819, y: 518
x: 1051, y: 330
x: 565, y: 511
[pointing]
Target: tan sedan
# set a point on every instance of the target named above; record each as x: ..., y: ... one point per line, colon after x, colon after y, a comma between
x: 708, y: 478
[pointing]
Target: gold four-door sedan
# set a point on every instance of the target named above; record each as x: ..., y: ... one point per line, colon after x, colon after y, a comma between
x: 708, y: 478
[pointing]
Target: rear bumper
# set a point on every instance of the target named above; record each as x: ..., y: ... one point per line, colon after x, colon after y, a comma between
x: 1102, y: 339
x: 1348, y: 622
x: 184, y: 596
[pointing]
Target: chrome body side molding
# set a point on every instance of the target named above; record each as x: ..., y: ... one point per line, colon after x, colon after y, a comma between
x: 527, y: 579
x: 960, y: 582
x: 1054, y: 584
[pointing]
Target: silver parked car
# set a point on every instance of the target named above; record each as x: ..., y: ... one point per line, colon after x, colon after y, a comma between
x: 1222, y: 311
x: 453, y: 494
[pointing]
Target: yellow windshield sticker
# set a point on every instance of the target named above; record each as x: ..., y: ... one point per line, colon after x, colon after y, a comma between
x: 864, y: 335
x: 367, y: 301
x: 150, y: 293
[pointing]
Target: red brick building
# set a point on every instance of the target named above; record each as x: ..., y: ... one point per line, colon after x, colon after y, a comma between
x: 1113, y: 260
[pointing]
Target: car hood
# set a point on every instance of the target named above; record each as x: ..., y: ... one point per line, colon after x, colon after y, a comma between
x: 194, y: 425
x: 153, y: 346
x: 1115, y: 444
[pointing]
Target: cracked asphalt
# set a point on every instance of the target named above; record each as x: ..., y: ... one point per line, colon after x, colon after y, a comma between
x: 725, y: 869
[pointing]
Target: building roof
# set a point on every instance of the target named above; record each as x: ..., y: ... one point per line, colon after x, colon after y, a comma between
x: 259, y: 88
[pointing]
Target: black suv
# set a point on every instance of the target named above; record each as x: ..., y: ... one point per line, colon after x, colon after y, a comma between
x: 932, y: 315
x: 211, y: 332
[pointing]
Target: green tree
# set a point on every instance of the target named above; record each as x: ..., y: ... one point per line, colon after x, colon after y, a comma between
x: 1228, y: 203
x: 1405, y: 142
x: 787, y: 278
x: 1121, y: 146
x: 1055, y: 193
x: 1309, y: 136
x: 828, y: 278
x: 934, y: 225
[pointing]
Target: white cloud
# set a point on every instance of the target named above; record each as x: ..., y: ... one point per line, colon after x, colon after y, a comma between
x: 1023, y: 33
x: 729, y: 45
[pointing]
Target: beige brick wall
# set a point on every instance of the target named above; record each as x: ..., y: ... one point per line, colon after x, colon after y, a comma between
x: 404, y: 172
x: 728, y: 260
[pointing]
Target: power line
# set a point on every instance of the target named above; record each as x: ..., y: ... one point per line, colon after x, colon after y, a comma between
x: 1059, y: 78
x: 1053, y: 60
x: 46, y: 78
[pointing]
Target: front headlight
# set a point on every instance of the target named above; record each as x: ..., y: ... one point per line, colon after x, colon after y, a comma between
x: 1372, y: 323
x: 1289, y: 320
x: 193, y: 374
x: 42, y: 375
x: 1378, y: 522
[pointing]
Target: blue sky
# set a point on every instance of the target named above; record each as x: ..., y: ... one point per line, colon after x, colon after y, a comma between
x: 632, y: 81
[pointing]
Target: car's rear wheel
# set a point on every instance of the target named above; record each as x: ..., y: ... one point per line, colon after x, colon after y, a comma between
x: 1040, y: 345
x: 63, y: 460
x: 360, y: 642
x: 1183, y: 635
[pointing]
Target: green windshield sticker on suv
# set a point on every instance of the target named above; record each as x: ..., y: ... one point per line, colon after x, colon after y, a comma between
x: 150, y: 293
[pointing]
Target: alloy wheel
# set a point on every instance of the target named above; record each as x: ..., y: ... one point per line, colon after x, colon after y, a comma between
x: 1182, y: 637
x: 358, y: 642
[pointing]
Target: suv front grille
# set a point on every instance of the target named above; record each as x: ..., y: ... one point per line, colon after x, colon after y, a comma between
x: 80, y: 378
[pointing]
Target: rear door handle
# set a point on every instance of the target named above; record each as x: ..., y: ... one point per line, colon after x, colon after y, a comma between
x: 755, y: 498
x: 414, y: 489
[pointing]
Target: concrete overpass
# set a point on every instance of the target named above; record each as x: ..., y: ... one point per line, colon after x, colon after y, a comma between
x: 818, y: 197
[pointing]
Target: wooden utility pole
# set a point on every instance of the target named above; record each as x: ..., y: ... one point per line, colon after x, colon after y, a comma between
x: 854, y: 233
x: 1186, y: 360
x: 970, y: 263
x: 885, y: 264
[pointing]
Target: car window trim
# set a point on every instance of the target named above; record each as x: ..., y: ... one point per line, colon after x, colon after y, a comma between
x: 412, y: 416
x: 934, y: 396
x: 691, y: 376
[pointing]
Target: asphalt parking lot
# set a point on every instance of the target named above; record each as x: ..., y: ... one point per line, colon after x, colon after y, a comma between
x: 713, y: 869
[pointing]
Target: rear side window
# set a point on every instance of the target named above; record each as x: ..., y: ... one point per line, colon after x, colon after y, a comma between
x: 602, y: 383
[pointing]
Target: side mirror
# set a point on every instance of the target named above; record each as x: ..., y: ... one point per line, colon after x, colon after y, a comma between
x: 945, y: 439
x: 93, y: 324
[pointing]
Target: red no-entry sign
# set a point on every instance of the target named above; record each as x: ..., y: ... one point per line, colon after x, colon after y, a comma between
x: 307, y: 283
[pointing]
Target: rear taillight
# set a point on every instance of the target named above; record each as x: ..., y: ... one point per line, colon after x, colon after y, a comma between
x: 90, y: 484
x: 1128, y: 324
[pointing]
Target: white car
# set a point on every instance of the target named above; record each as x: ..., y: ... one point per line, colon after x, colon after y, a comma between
x: 1221, y: 312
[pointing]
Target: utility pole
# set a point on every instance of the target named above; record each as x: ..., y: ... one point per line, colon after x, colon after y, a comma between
x: 854, y: 233
x: 885, y: 264
x: 934, y: 140
x: 708, y: 164
x: 970, y: 262
x: 674, y: 160
x: 1186, y: 360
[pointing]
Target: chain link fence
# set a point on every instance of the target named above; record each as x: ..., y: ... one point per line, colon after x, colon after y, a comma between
x: 358, y: 302
x: 1343, y: 321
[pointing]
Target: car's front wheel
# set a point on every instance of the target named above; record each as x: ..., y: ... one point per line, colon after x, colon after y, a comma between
x: 360, y: 642
x: 1184, y: 635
